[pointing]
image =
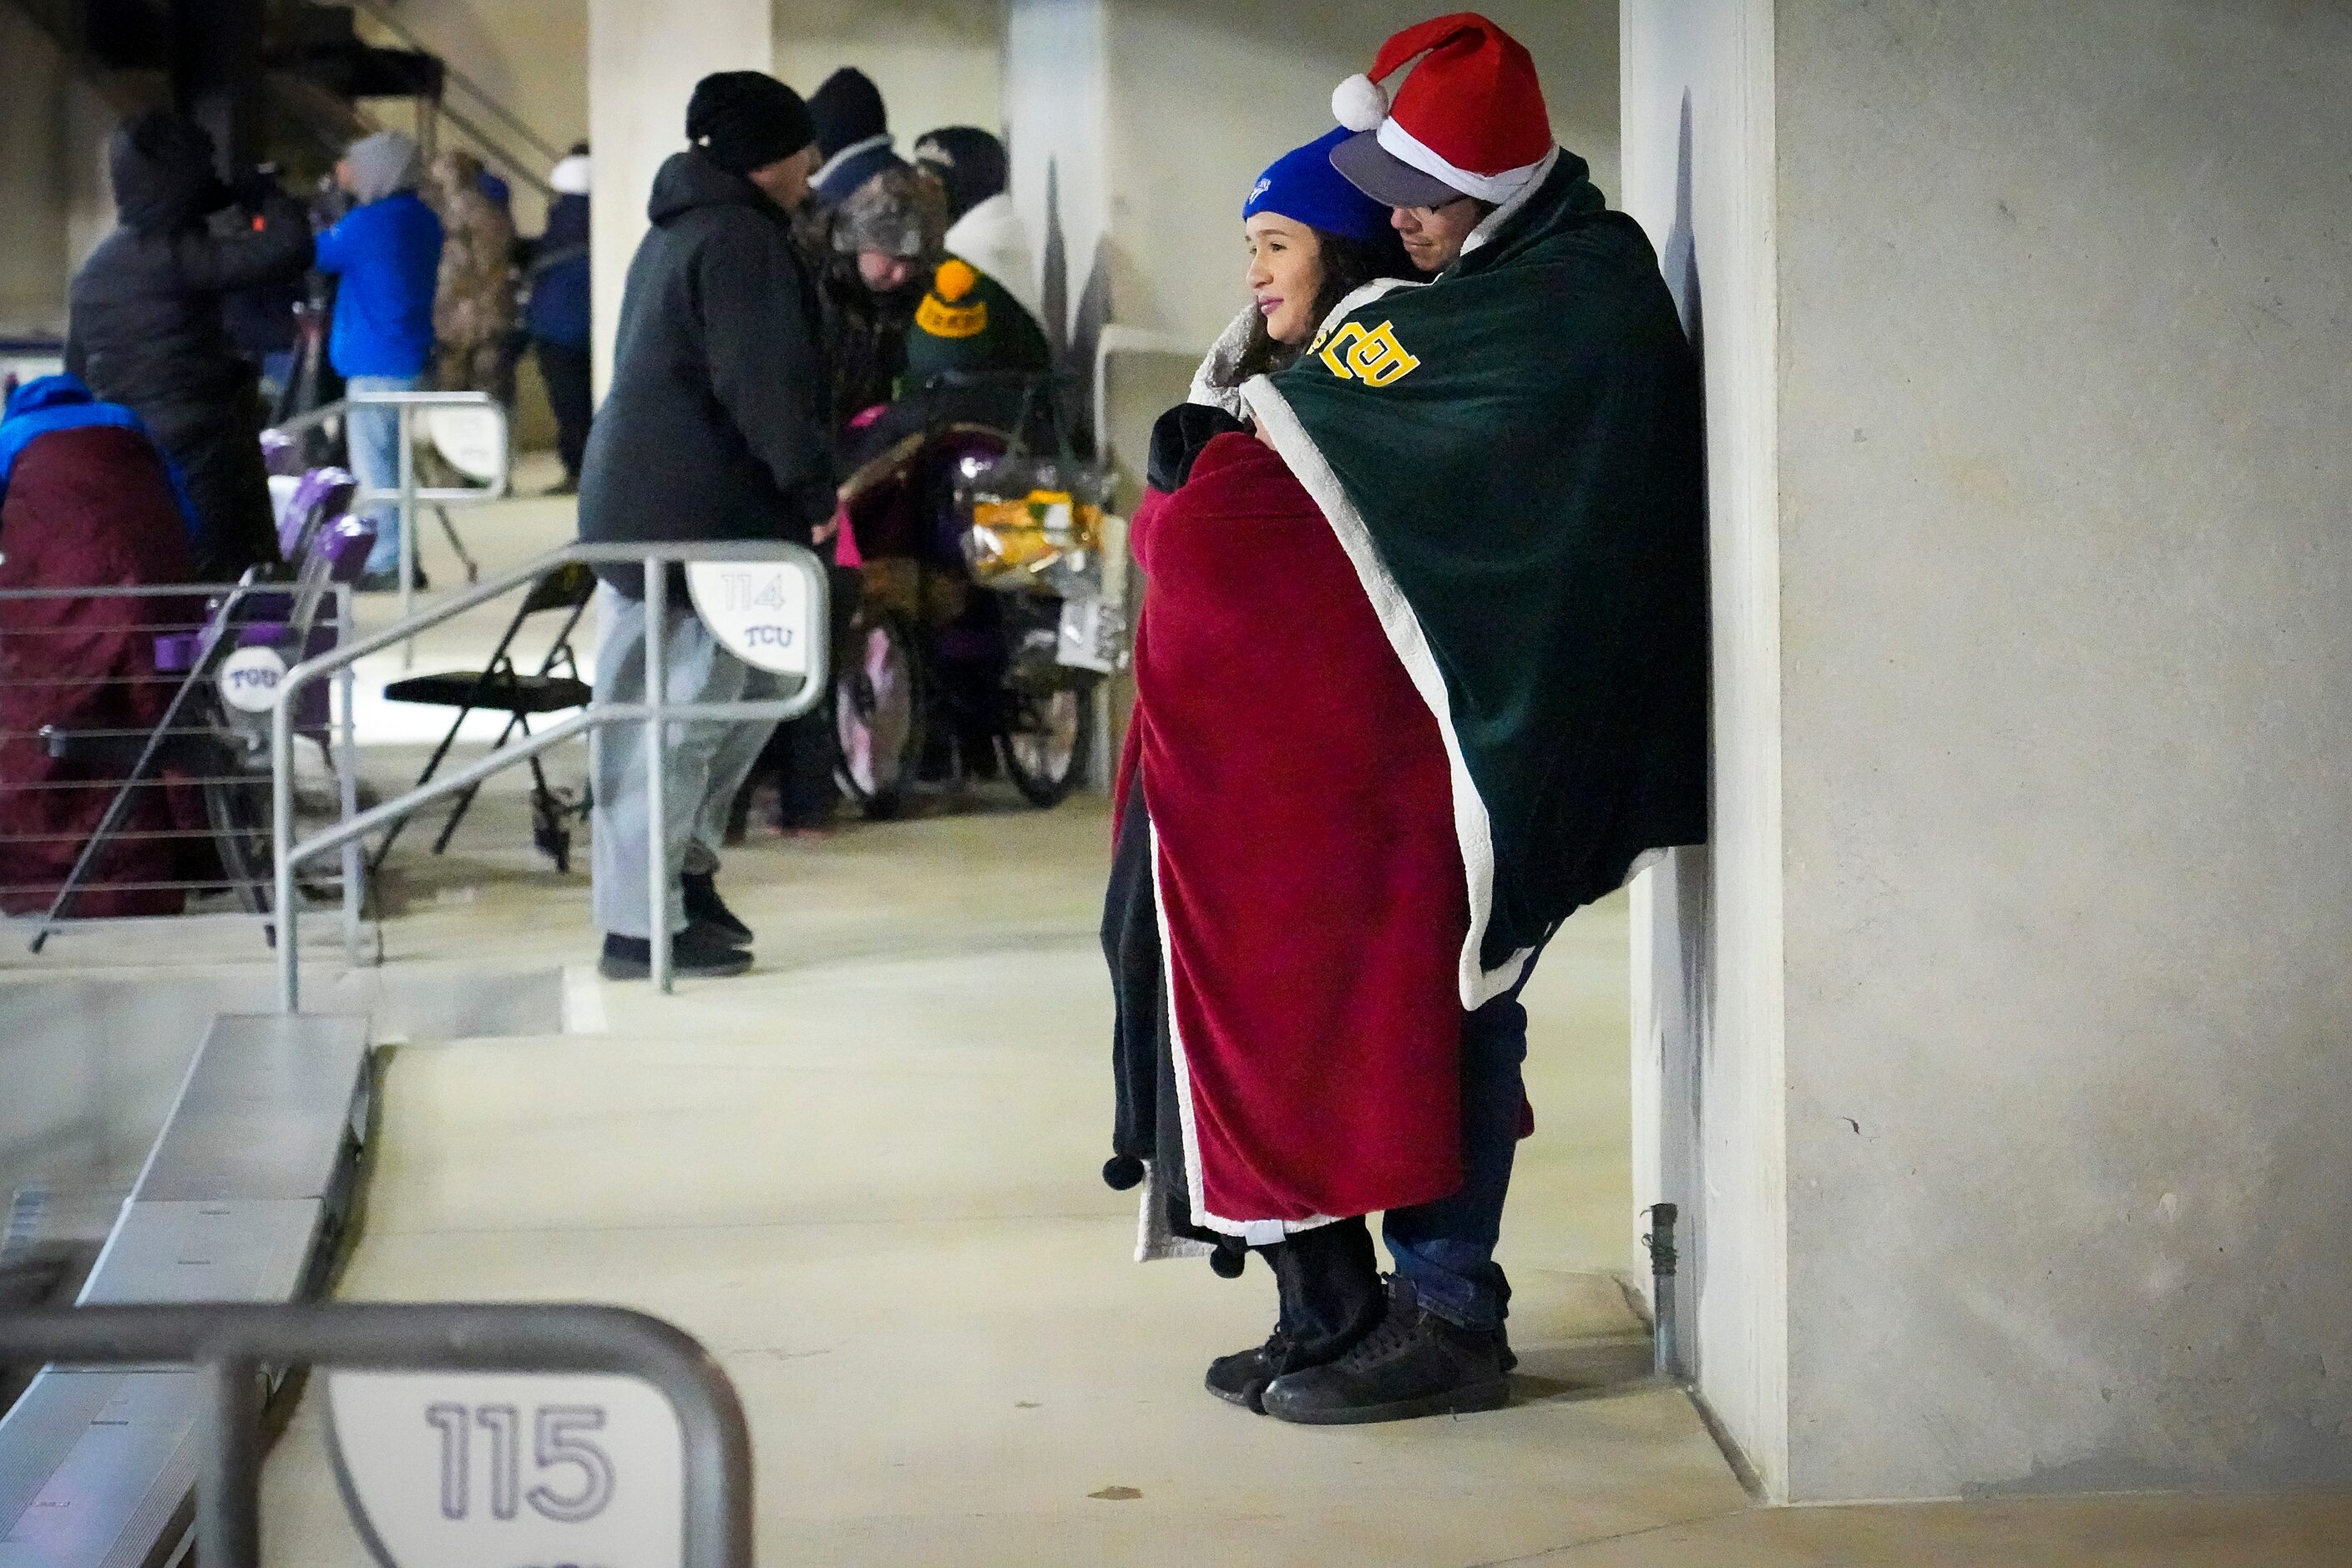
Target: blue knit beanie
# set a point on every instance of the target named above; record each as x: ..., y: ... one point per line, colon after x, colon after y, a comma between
x: 1303, y: 186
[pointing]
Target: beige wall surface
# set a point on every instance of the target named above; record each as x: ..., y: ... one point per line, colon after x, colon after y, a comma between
x: 1153, y: 117
x: 53, y: 131
x: 1205, y: 93
x: 642, y: 63
x: 2001, y: 1044
x: 531, y: 56
x: 1708, y: 1043
x: 937, y: 62
x: 2065, y: 449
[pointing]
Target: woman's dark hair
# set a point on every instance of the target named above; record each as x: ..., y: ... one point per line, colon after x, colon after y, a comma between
x: 1347, y: 265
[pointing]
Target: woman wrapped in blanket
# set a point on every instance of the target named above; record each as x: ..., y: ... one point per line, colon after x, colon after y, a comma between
x: 1288, y: 896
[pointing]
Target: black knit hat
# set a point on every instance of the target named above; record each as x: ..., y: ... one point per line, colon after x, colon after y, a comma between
x: 846, y: 110
x: 746, y: 119
x: 968, y: 161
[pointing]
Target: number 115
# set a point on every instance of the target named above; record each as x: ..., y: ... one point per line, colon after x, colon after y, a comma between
x: 557, y: 1442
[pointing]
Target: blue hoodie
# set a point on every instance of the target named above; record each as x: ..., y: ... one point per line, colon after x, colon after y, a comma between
x: 388, y: 255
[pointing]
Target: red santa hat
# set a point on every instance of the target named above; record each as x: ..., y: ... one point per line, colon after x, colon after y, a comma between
x: 1468, y: 122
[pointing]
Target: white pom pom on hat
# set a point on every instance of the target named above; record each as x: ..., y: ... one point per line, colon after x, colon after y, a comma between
x: 1359, y: 103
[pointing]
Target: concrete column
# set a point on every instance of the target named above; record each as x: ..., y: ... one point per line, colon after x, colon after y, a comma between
x: 2001, y: 1043
x: 937, y: 62
x: 643, y: 63
x: 1137, y: 129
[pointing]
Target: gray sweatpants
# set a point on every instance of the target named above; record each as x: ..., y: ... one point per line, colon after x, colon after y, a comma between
x: 706, y: 764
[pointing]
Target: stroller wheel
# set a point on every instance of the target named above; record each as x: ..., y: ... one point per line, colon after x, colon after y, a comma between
x: 1046, y: 737
x: 238, y: 810
x: 878, y: 716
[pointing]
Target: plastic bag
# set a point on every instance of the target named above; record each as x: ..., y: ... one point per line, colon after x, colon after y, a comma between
x: 1033, y: 524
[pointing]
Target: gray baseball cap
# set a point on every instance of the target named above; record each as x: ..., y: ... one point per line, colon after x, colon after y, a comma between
x: 1387, y: 178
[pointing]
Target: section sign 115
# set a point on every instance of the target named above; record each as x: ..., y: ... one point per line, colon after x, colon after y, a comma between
x: 505, y: 1470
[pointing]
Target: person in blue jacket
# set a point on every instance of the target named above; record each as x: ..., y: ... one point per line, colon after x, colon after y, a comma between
x: 557, y: 315
x: 386, y: 252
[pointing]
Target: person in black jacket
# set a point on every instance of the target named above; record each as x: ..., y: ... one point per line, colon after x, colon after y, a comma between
x: 715, y: 428
x: 147, y: 329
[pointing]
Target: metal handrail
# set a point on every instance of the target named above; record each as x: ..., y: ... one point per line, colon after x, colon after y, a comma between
x: 343, y: 748
x: 230, y: 1342
x: 657, y: 712
x: 407, y: 493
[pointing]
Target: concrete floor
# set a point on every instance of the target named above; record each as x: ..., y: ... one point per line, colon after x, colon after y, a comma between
x: 864, y: 1175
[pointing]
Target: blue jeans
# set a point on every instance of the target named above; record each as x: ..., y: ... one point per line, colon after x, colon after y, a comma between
x: 1447, y: 1248
x: 373, y: 437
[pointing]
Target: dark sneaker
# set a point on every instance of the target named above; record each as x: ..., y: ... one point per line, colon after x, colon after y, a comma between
x: 388, y: 581
x: 632, y: 958
x: 1241, y: 1378
x: 1415, y: 1363
x: 706, y: 909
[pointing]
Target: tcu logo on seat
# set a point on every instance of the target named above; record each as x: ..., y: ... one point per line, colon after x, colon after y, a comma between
x: 249, y: 678
x: 1372, y: 355
x: 768, y: 636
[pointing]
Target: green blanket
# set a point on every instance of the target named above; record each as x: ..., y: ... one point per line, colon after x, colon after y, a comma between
x: 1512, y: 458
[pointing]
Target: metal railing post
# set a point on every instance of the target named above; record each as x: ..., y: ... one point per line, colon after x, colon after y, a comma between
x: 406, y: 413
x: 656, y: 736
x: 347, y: 781
x: 229, y: 1340
x: 281, y: 848
x: 228, y: 1472
x: 657, y: 712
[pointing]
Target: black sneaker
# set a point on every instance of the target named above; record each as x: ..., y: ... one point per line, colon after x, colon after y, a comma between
x: 1415, y: 1363
x: 1241, y: 1378
x: 706, y: 909
x: 388, y: 581
x: 632, y: 958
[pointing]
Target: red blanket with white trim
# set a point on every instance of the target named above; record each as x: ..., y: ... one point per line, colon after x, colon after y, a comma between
x: 1311, y: 884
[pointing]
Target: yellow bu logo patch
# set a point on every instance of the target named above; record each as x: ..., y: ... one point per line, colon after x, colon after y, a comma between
x: 1372, y: 356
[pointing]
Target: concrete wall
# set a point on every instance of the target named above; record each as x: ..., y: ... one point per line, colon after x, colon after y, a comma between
x: 2066, y: 314
x: 2055, y: 449
x: 1155, y: 115
x: 1205, y: 93
x: 937, y: 62
x: 1707, y: 1076
x: 53, y: 131
x: 643, y: 63
x: 529, y: 55
x: 1057, y: 75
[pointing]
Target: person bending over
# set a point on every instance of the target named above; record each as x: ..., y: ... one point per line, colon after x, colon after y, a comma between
x: 716, y: 428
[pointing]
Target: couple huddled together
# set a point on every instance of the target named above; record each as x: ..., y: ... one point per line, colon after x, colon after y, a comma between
x: 1422, y: 670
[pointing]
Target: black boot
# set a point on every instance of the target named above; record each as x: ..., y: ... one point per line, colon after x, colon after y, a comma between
x: 1327, y: 1281
x: 632, y: 958
x: 705, y: 908
x: 1415, y: 1363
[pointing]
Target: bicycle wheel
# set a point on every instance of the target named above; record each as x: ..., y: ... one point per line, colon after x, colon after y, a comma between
x: 1045, y: 743
x: 877, y: 709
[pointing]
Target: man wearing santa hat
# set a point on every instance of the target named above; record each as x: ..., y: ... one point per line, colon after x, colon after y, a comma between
x: 1511, y: 458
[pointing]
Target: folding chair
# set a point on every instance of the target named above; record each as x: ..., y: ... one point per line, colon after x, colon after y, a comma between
x: 554, y: 688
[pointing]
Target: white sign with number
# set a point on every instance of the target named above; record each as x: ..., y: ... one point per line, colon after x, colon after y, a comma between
x: 759, y: 611
x: 500, y: 1470
x: 472, y: 437
x: 249, y: 678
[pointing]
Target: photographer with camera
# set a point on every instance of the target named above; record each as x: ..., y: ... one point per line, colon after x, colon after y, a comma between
x: 147, y: 328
